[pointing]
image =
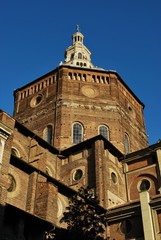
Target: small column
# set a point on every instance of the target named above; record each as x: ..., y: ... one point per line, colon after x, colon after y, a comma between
x: 146, y: 216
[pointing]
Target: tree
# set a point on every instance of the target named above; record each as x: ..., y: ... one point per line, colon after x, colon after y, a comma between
x: 83, y: 217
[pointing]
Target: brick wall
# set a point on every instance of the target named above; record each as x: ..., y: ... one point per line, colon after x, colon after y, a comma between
x: 87, y: 96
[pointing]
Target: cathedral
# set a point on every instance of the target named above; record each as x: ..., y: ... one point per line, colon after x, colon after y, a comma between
x: 78, y: 126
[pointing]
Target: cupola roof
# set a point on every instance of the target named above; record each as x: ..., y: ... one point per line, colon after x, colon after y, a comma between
x: 78, y: 54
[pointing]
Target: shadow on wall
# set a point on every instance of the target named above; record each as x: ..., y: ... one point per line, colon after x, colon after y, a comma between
x: 17, y: 224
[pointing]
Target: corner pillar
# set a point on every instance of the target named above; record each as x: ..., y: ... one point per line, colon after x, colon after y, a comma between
x: 146, y: 216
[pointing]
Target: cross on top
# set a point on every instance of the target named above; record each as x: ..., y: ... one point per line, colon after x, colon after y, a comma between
x: 78, y: 28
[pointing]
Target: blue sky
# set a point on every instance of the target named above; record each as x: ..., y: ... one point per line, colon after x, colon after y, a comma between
x: 123, y: 35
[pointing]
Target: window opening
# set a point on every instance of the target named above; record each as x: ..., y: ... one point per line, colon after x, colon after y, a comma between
x: 72, y: 56
x: 77, y: 174
x: 48, y: 134
x: 77, y: 133
x: 145, y: 185
x: 113, y: 177
x: 93, y: 78
x: 79, y: 55
x: 126, y: 226
x: 75, y: 76
x: 104, y: 131
x: 70, y: 76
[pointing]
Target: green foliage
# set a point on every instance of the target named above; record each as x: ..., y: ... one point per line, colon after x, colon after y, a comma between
x: 83, y: 218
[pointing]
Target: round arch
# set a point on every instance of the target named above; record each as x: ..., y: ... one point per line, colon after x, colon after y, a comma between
x: 77, y: 132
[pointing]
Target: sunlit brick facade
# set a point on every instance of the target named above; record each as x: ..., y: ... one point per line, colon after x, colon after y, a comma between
x: 76, y: 126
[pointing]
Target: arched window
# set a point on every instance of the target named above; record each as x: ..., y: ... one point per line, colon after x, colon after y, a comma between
x: 48, y: 134
x: 79, y: 76
x: 77, y: 133
x: 104, y: 131
x: 14, y: 152
x: 127, y: 144
x: 72, y: 56
x: 79, y: 55
x: 84, y: 77
x: 75, y: 76
x: 70, y: 76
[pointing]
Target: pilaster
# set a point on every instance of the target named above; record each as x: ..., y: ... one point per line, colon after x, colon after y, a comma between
x: 146, y: 216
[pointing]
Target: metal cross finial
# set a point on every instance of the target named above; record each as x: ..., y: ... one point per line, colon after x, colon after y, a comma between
x: 78, y: 28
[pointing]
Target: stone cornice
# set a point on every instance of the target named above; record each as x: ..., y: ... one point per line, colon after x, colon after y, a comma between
x: 5, y: 131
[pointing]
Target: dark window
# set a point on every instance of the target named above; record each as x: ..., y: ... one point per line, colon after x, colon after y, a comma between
x: 107, y: 80
x: 79, y: 76
x: 84, y: 77
x: 70, y: 75
x: 104, y: 131
x: 72, y: 56
x: 113, y: 177
x: 145, y: 185
x: 103, y: 79
x: 75, y: 76
x: 93, y: 78
x: 77, y: 133
x: 79, y: 56
x: 38, y: 99
x: 77, y: 174
x: 125, y: 226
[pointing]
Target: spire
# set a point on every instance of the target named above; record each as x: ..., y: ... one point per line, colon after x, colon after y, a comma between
x: 78, y: 54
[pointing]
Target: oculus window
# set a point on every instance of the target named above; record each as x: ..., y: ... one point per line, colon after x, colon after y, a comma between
x: 126, y: 226
x: 35, y: 101
x: 144, y: 185
x: 77, y: 175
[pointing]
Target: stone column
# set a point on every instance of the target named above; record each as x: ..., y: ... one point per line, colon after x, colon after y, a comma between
x: 146, y: 216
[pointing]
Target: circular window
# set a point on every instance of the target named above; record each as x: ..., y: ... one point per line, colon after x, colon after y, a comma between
x: 77, y: 174
x: 125, y: 226
x: 11, y: 183
x: 36, y: 100
x: 113, y: 177
x: 144, y: 185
